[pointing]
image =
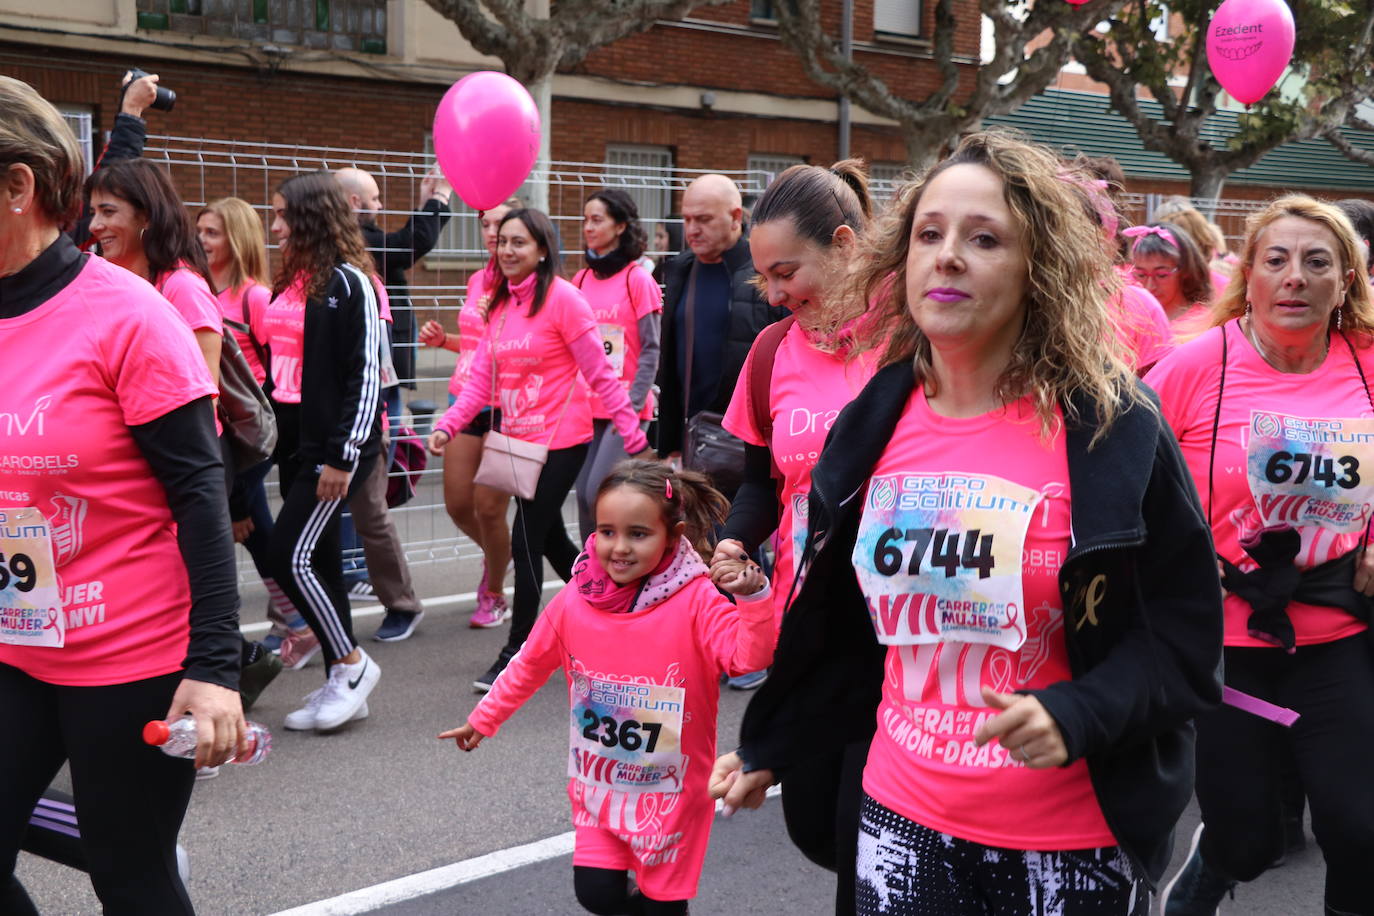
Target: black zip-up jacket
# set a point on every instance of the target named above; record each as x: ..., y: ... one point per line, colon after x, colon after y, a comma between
x: 341, y: 373
x: 750, y: 313
x: 1142, y: 605
x: 395, y: 253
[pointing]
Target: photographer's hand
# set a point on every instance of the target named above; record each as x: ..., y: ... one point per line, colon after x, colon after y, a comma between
x: 139, y: 94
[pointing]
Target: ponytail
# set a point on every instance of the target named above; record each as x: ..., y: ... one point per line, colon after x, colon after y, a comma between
x: 818, y: 200
x: 682, y: 496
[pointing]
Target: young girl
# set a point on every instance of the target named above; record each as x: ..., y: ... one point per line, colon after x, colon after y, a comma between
x: 643, y: 637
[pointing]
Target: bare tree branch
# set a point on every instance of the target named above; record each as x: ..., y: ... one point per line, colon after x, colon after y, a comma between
x: 1332, y: 134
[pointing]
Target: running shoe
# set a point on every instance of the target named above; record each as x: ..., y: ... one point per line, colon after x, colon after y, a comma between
x: 483, y: 683
x: 345, y: 692
x: 257, y: 675
x: 492, y: 611
x: 303, y: 719
x: 206, y: 773
x: 398, y: 625
x: 1196, y: 890
x: 751, y: 681
x: 362, y: 589
x: 298, y: 649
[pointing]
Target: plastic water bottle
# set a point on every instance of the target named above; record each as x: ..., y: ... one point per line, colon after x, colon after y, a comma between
x: 178, y: 739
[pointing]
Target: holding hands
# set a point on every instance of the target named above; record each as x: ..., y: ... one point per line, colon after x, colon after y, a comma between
x: 733, y: 571
x: 737, y: 788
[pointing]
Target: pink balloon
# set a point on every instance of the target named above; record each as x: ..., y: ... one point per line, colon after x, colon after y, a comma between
x: 486, y: 137
x: 1077, y: 2
x: 1249, y: 45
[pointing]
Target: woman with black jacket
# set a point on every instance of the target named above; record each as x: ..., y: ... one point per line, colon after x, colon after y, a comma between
x: 1004, y: 508
x: 329, y: 443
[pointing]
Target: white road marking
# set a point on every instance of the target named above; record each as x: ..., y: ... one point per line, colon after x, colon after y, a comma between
x: 421, y: 884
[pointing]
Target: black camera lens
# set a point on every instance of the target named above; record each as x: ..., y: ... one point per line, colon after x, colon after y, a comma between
x: 165, y: 99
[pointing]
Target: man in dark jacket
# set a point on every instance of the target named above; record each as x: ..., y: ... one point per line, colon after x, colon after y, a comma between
x: 728, y: 310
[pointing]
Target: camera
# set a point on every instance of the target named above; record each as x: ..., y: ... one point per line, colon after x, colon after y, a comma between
x: 166, y: 98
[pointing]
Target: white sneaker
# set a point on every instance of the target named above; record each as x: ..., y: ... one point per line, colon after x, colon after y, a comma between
x: 303, y: 719
x: 345, y: 693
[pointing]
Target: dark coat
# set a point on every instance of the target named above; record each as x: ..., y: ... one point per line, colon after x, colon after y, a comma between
x: 1142, y: 605
x: 749, y: 314
x: 395, y: 253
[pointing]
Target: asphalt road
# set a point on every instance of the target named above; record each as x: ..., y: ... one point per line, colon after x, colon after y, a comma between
x: 382, y: 799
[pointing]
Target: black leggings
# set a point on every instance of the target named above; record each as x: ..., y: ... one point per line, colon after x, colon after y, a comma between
x: 1239, y: 764
x: 606, y: 892
x: 821, y: 798
x: 306, y: 557
x: 539, y: 533
x: 118, y: 781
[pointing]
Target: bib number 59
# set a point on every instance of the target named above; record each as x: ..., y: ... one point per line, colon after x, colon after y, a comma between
x: 20, y: 568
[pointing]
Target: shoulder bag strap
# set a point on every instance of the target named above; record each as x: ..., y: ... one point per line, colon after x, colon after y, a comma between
x: 495, y: 338
x: 1216, y: 423
x: 689, y: 302
x: 761, y: 382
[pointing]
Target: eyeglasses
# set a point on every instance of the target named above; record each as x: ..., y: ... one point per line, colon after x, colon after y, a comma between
x: 1159, y: 275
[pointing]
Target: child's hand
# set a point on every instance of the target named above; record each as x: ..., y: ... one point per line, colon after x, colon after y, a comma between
x: 735, y: 787
x: 747, y: 581
x: 467, y: 737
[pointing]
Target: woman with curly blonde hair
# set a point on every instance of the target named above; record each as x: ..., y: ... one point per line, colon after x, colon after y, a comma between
x: 1008, y: 585
x: 1273, y: 410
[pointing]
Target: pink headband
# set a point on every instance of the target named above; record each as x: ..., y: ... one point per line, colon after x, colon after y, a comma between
x: 1137, y: 231
x: 1096, y: 192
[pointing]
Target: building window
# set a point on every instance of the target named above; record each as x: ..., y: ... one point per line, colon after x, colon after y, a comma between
x: 762, y: 9
x: 339, y: 25
x: 78, y: 118
x: 901, y: 18
x: 646, y: 172
x: 884, y: 178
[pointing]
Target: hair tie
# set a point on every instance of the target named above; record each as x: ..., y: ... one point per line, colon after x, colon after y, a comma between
x: 1136, y: 232
x: 1096, y: 191
x: 668, y: 487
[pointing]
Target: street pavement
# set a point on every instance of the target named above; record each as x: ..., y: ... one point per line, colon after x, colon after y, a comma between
x: 380, y: 800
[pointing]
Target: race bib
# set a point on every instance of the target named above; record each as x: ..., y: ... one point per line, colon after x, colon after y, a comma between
x: 626, y: 736
x: 939, y: 558
x: 30, y: 609
x: 1311, y: 472
x: 613, y: 340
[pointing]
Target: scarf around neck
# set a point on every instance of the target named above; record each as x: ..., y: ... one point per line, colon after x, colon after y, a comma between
x: 608, y: 264
x: 596, y: 587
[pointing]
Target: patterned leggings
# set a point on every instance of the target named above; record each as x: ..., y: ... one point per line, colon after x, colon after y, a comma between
x: 905, y: 869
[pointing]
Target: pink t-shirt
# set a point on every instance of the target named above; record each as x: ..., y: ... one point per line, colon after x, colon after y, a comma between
x: 536, y: 364
x: 618, y: 303
x: 284, y: 324
x: 1187, y: 382
x: 665, y: 660
x: 104, y: 354
x: 253, y: 298
x: 809, y: 388
x: 995, y: 481
x: 188, y: 291
x: 1141, y: 325
x: 472, y: 324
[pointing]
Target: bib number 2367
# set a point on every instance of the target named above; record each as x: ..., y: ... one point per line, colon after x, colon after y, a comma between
x: 939, y: 558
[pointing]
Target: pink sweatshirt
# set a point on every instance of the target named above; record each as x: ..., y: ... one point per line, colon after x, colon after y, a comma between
x: 653, y: 674
x: 537, y: 363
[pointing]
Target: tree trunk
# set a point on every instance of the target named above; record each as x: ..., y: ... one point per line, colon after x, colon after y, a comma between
x: 542, y: 91
x: 1207, y: 182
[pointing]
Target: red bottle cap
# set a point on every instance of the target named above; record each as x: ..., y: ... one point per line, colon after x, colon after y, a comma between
x: 156, y: 732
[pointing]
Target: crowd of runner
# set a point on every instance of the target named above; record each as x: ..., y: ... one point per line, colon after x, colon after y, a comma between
x: 1027, y: 526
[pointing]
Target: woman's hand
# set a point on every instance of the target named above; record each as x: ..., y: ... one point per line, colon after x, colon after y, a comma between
x: 1364, y: 573
x: 738, y: 789
x: 467, y: 737
x: 221, y: 733
x: 333, y: 483
x: 437, y: 440
x: 1024, y: 729
x: 728, y: 549
x: 433, y: 334
x: 242, y: 528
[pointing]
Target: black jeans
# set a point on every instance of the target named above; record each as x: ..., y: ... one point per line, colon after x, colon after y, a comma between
x: 539, y: 533
x: 130, y: 797
x: 1239, y: 764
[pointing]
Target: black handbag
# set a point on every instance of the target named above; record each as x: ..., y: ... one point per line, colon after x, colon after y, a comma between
x: 706, y: 446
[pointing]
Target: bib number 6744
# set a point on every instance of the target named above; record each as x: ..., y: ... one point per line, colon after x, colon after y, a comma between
x: 942, y: 545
